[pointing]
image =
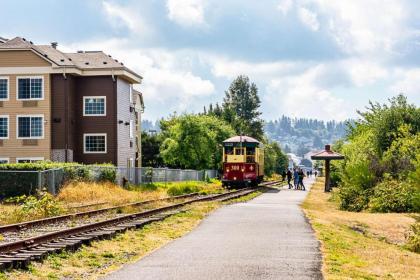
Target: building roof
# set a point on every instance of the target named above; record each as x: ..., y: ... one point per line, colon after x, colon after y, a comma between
x: 83, y: 60
x: 2, y: 40
x: 327, y: 154
x: 238, y: 139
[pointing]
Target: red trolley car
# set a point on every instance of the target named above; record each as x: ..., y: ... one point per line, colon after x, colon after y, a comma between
x: 243, y: 162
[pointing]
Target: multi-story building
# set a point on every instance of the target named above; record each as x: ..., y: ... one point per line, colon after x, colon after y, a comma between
x: 67, y: 107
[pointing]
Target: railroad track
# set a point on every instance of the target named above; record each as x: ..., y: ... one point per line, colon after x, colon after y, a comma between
x: 19, y: 254
x: 55, y: 219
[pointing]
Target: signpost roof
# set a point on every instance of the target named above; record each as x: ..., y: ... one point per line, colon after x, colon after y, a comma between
x: 327, y: 154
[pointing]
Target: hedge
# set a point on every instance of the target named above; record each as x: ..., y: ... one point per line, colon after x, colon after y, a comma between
x: 26, y: 183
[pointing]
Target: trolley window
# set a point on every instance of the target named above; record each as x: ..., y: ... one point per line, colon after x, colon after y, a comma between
x: 239, y: 151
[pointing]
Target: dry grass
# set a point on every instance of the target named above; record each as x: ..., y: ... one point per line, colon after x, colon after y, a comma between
x: 84, y: 193
x: 106, y: 256
x: 360, y: 245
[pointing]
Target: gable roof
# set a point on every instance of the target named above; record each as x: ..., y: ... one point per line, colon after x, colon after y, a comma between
x: 2, y: 40
x: 83, y: 60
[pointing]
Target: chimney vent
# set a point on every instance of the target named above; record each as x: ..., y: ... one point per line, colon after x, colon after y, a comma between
x: 54, y: 45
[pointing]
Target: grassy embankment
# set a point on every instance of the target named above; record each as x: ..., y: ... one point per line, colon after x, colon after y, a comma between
x: 361, y: 245
x: 84, y: 193
x: 105, y: 256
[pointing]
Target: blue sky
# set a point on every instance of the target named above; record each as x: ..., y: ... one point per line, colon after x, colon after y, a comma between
x: 309, y: 58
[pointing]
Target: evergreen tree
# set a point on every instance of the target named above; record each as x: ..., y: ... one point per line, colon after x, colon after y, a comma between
x: 241, y: 108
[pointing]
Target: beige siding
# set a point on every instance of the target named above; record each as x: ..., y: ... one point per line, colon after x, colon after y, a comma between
x: 22, y: 58
x: 16, y: 148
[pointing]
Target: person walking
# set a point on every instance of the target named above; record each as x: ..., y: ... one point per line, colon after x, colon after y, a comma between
x: 296, y: 178
x: 289, y: 178
x: 300, y: 183
x: 283, y: 175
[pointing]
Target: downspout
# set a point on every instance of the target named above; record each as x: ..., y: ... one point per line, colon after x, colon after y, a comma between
x: 66, y: 117
x: 115, y: 118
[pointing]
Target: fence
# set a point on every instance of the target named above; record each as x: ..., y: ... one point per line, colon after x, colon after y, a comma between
x: 144, y: 175
x: 14, y: 182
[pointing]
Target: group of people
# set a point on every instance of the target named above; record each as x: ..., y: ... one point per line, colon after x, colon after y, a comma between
x: 297, y: 176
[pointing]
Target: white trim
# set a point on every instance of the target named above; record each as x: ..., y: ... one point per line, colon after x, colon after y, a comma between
x: 71, y: 70
x: 94, y: 115
x: 30, y: 159
x: 8, y: 88
x: 5, y: 158
x: 29, y: 77
x: 131, y: 129
x: 31, y: 116
x: 8, y: 127
x: 131, y: 93
x: 94, y: 134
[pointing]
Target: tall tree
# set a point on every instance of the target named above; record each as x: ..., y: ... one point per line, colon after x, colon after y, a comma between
x: 194, y: 141
x: 241, y: 108
x: 150, y: 145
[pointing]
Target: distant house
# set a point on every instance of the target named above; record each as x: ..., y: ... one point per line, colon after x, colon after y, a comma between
x: 67, y: 107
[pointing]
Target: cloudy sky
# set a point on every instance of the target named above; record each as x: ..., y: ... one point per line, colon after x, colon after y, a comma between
x: 309, y: 58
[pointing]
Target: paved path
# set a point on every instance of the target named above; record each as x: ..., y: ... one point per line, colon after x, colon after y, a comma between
x: 265, y: 238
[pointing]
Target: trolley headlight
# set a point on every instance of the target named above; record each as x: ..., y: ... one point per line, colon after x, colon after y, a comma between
x: 243, y: 170
x: 227, y: 170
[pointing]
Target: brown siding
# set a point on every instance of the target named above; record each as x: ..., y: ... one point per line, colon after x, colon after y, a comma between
x: 13, y: 147
x: 99, y: 86
x: 62, y: 110
x: 23, y: 58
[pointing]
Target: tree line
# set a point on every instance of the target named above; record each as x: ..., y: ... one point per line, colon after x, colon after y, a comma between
x: 193, y: 141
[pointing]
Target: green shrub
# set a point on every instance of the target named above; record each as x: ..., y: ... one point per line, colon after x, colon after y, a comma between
x: 107, y: 174
x: 32, y: 207
x: 413, y: 242
x: 353, y: 197
x: 395, y: 196
x: 183, y: 188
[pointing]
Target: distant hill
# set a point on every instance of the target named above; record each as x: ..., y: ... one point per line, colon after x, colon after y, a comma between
x: 300, y: 135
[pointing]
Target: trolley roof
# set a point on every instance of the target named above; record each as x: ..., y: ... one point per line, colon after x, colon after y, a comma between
x: 241, y: 139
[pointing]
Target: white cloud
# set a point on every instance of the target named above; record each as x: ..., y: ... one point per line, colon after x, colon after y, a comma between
x: 186, y: 12
x: 308, y: 18
x: 284, y: 6
x: 364, y: 72
x: 169, y: 83
x: 301, y: 96
x: 126, y: 16
x: 407, y: 82
x: 265, y: 71
x: 364, y: 26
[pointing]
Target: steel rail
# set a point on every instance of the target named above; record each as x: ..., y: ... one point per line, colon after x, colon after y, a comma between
x: 50, y: 220
x: 30, y: 242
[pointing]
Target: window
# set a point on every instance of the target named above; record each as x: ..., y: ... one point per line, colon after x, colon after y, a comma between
x: 131, y: 128
x: 4, y: 127
x: 94, y: 143
x: 30, y: 127
x: 94, y: 106
x: 4, y: 160
x: 29, y: 160
x: 4, y: 88
x: 30, y: 88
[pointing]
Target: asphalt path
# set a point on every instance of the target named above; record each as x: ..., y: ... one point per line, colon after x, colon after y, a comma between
x: 265, y: 238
